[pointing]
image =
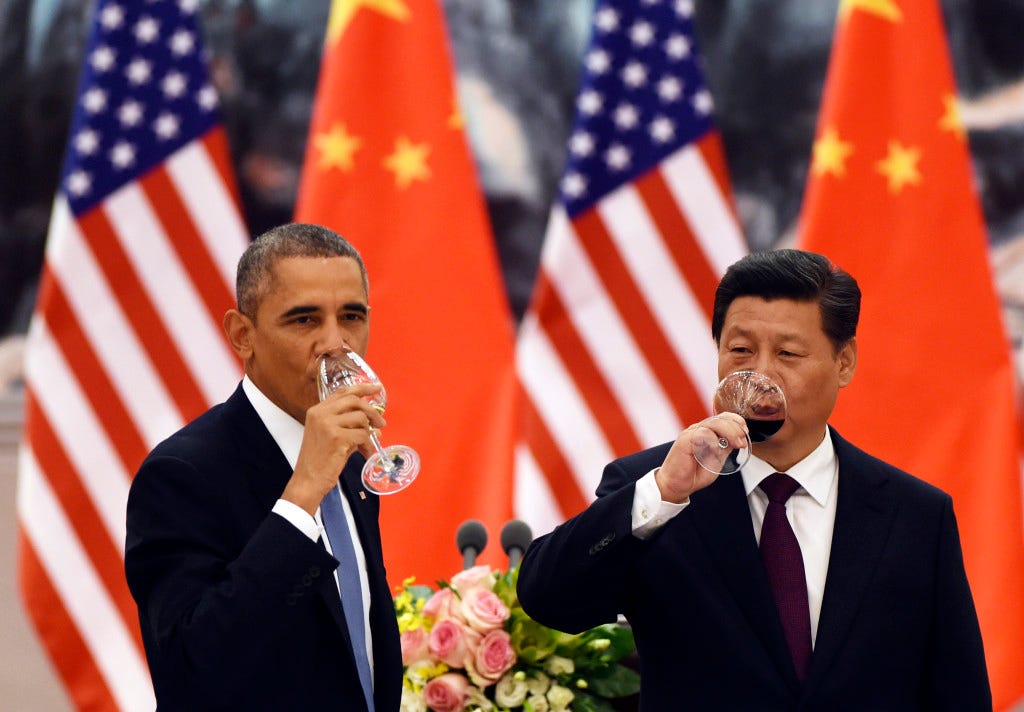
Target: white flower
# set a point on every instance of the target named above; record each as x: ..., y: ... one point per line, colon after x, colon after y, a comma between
x: 510, y: 691
x: 411, y: 702
x: 560, y: 698
x: 557, y: 665
x: 477, y: 701
x: 538, y: 703
x: 538, y: 684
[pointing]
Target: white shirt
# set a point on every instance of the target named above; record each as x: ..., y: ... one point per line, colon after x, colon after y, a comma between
x: 287, y: 433
x: 811, y: 512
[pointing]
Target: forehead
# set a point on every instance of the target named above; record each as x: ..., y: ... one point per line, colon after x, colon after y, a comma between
x: 778, y: 318
x: 314, y: 278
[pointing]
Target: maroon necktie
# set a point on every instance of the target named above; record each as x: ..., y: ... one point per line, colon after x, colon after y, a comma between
x: 781, y: 554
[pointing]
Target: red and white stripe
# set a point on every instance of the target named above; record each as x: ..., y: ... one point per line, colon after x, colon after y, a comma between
x: 125, y: 347
x: 616, y: 354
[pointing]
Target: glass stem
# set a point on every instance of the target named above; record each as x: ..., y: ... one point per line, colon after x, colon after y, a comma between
x: 385, y: 461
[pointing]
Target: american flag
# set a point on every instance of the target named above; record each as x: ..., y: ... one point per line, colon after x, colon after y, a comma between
x: 615, y: 353
x: 125, y: 344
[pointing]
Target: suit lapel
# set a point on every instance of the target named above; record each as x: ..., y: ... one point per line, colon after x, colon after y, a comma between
x: 721, y: 515
x: 257, y: 451
x: 864, y: 515
x: 365, y: 507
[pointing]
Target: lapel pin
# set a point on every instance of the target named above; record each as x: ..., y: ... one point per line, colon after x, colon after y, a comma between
x: 362, y: 495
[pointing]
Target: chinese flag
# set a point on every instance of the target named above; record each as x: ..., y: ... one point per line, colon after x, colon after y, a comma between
x: 387, y: 166
x: 890, y: 199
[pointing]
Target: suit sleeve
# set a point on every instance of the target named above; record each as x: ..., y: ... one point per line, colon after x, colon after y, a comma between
x: 202, y: 589
x: 957, y: 676
x: 578, y: 576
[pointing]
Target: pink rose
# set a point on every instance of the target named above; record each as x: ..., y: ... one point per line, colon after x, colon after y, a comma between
x: 446, y: 693
x: 472, y: 578
x: 494, y: 656
x: 483, y: 610
x: 414, y: 646
x: 452, y: 643
x: 443, y: 605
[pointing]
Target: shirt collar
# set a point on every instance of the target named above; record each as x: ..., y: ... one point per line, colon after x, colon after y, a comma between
x: 815, y: 473
x: 286, y: 430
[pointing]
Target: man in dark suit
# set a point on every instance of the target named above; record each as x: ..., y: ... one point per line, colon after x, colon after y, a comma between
x: 239, y: 595
x: 849, y: 595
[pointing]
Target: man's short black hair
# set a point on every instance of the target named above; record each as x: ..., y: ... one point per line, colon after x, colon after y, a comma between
x: 797, y: 275
x: 289, y: 240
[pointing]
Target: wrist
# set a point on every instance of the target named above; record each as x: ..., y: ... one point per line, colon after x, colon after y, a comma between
x: 300, y: 493
x: 675, y: 495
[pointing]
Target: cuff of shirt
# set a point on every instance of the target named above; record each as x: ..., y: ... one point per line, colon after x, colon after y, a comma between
x: 650, y: 511
x: 298, y: 517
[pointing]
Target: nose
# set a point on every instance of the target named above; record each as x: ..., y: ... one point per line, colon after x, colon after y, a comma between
x: 765, y: 365
x: 333, y: 340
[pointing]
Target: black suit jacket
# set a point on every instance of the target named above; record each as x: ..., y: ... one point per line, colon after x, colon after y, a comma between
x: 240, y: 610
x: 898, y: 629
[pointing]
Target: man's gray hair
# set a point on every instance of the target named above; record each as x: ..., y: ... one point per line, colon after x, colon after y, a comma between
x: 289, y: 240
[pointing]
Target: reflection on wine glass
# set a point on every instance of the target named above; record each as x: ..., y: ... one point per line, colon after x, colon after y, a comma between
x: 389, y: 469
x: 762, y: 405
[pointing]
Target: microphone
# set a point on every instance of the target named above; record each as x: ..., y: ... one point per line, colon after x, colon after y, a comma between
x: 471, y: 538
x: 515, y: 537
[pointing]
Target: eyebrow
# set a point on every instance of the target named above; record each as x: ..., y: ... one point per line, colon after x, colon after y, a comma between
x: 750, y: 334
x: 304, y: 309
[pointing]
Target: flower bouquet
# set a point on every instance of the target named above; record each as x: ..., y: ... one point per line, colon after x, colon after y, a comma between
x: 470, y: 646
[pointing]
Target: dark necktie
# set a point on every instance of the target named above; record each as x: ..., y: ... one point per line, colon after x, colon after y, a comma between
x: 785, y: 565
x: 348, y: 581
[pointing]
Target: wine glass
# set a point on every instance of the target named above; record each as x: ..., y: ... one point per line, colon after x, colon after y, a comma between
x: 389, y: 469
x: 759, y: 401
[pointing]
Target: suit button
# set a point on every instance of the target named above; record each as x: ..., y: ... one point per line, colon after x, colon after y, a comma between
x: 307, y: 580
x: 292, y: 599
x: 605, y: 541
x: 314, y: 571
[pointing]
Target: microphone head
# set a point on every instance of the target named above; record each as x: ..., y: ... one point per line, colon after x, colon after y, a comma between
x: 515, y: 534
x: 471, y: 534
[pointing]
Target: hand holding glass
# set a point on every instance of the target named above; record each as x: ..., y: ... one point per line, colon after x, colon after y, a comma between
x: 755, y: 398
x: 390, y: 469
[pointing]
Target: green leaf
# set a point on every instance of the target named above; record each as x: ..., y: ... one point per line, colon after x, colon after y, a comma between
x: 420, y: 591
x: 505, y: 588
x: 588, y: 703
x: 616, y: 681
x: 531, y: 640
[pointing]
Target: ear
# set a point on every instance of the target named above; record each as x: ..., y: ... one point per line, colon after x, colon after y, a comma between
x: 847, y: 359
x: 239, y: 329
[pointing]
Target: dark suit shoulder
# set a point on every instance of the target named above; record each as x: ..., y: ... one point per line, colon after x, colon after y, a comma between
x: 627, y: 470
x: 900, y: 483
x: 193, y: 440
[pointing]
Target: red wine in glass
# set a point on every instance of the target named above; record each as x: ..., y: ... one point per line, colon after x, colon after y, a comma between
x: 759, y: 401
x: 761, y: 430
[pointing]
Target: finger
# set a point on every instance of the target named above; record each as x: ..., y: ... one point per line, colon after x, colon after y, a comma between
x: 360, y: 390
x: 716, y: 435
x: 339, y: 404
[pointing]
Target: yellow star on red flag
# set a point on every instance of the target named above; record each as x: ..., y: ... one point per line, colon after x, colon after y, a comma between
x: 900, y: 166
x: 830, y: 154
x: 456, y: 119
x: 408, y: 162
x: 336, y: 148
x: 885, y: 9
x: 951, y: 119
x: 342, y: 12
